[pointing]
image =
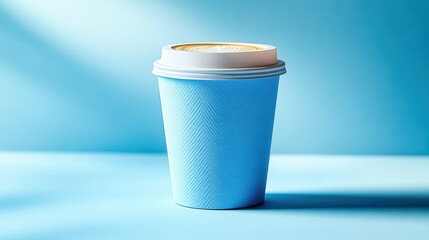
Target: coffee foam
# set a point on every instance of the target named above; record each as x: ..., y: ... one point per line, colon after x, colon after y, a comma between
x: 217, y: 47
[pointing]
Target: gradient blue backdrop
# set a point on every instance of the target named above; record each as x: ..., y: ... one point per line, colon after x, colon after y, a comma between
x: 76, y: 75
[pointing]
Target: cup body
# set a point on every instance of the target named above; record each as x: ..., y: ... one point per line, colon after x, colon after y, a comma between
x: 218, y: 135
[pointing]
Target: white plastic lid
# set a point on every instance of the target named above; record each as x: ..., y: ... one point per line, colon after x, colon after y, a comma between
x: 220, y: 60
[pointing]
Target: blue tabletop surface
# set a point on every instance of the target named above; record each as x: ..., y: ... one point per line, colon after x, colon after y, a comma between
x: 128, y: 196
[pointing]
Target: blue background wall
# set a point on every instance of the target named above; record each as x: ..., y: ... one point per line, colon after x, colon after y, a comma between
x: 75, y: 75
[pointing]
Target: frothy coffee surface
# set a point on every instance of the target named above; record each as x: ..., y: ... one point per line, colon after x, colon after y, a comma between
x: 216, y: 47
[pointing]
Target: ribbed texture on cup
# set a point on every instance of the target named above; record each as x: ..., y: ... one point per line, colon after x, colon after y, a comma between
x: 218, y: 137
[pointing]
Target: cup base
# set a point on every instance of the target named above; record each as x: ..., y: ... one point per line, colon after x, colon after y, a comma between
x: 226, y: 208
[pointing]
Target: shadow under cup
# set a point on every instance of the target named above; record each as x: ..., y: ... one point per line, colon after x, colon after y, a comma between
x: 218, y: 135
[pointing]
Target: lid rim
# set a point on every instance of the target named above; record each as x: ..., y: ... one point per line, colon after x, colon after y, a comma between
x: 218, y: 74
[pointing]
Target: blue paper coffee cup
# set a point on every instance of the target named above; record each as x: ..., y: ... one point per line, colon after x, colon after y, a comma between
x: 218, y: 103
